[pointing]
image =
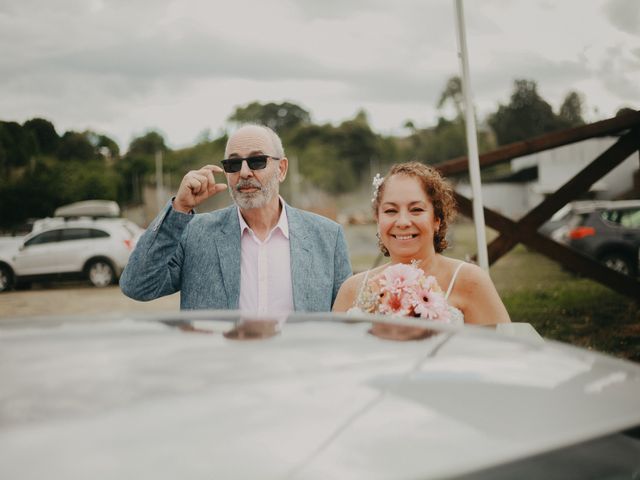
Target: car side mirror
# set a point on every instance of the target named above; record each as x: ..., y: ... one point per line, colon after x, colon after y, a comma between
x: 22, y: 247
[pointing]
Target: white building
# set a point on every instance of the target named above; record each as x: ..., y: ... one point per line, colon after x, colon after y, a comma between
x: 514, y: 196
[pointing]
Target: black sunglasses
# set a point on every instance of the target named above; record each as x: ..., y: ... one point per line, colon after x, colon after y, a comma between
x: 257, y: 162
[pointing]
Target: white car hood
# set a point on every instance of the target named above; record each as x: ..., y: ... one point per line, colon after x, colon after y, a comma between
x: 139, y: 399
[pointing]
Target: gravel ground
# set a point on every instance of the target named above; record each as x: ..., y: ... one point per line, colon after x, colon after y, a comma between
x: 75, y: 299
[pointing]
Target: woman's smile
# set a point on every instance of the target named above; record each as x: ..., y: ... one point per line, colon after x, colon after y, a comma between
x: 405, y: 236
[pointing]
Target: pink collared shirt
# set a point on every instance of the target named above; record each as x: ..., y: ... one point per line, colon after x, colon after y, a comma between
x: 265, y: 269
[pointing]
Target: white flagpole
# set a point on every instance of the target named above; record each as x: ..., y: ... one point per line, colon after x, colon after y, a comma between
x: 472, y: 141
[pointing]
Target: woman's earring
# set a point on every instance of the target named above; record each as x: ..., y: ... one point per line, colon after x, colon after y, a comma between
x: 381, y: 246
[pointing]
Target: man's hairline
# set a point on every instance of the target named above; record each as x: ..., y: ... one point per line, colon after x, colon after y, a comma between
x: 273, y: 137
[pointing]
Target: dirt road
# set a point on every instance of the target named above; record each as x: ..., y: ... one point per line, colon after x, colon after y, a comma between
x: 78, y: 299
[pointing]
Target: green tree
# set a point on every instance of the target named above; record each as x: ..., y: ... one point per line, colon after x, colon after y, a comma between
x: 453, y: 93
x: 76, y: 146
x: 138, y: 162
x: 32, y: 195
x: 147, y: 144
x: 571, y: 110
x: 352, y: 146
x: 45, y: 134
x: 527, y: 115
x: 357, y: 144
x: 16, y: 146
x: 281, y: 117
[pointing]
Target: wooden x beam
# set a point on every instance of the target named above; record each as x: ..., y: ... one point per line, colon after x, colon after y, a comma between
x: 562, y: 254
x: 525, y: 230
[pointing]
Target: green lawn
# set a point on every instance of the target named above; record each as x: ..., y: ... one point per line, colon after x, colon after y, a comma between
x: 559, y: 305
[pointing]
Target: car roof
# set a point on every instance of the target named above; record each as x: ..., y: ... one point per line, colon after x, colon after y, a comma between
x: 322, y: 399
x: 51, y: 223
x: 588, y: 206
x: 89, y: 208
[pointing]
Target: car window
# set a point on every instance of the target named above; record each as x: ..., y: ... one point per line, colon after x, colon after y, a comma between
x: 45, y: 237
x: 630, y: 218
x: 625, y: 218
x: 609, y: 215
x: 75, y: 234
x: 95, y: 233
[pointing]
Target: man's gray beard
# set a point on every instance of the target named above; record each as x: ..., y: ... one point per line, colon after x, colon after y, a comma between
x: 259, y: 198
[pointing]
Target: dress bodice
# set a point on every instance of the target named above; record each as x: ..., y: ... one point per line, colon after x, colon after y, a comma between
x: 457, y: 317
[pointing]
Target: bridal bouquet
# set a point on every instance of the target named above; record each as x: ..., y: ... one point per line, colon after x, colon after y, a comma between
x: 405, y: 290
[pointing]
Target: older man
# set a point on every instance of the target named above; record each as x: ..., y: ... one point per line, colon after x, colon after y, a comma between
x: 259, y: 255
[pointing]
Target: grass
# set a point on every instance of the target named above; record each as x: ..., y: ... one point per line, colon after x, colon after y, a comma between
x: 559, y: 304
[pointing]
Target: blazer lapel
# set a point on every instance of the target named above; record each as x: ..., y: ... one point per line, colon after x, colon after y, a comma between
x: 301, y: 264
x: 228, y: 245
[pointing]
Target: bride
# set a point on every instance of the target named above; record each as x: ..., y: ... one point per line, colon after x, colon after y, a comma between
x: 413, y: 206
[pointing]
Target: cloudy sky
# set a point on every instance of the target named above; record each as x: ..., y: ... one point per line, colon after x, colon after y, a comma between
x: 122, y: 67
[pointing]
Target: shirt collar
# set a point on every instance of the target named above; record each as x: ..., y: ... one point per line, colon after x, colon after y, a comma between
x: 283, y: 223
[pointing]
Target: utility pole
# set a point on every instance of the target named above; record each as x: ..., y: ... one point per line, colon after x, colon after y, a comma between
x: 295, y: 181
x: 159, y: 184
x: 472, y: 141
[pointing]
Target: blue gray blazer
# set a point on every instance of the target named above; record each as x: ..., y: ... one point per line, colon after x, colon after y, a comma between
x: 199, y: 255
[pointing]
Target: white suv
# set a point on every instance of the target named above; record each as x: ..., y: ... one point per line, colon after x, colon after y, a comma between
x: 60, y: 248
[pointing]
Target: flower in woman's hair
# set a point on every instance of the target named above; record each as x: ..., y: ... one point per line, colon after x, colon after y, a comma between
x: 377, y: 181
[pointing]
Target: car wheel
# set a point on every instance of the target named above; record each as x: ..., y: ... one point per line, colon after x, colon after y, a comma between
x: 6, y: 278
x: 619, y: 262
x: 100, y: 273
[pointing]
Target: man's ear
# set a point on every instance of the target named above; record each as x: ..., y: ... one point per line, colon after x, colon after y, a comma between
x: 283, y: 168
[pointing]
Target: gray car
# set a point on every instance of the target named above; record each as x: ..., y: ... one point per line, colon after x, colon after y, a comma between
x: 608, y: 232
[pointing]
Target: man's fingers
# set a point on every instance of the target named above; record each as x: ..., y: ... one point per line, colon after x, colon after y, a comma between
x: 196, y: 182
x: 197, y: 185
x: 209, y: 174
x: 213, y: 168
x: 217, y: 188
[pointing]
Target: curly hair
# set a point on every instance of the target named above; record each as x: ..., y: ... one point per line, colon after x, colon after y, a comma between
x: 438, y: 190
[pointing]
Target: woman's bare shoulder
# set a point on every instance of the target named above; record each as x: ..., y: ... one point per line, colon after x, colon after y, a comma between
x: 353, y: 280
x: 449, y: 264
x: 470, y: 273
x: 348, y: 292
x: 377, y: 270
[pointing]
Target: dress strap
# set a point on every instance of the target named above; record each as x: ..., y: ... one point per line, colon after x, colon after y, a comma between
x: 453, y: 280
x: 361, y: 291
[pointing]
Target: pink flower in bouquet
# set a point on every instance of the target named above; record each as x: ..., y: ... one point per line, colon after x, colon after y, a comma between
x: 406, y: 290
x: 398, y: 303
x: 401, y: 278
x: 432, y: 305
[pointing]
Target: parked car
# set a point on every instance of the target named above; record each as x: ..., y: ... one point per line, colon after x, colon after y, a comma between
x: 183, y: 396
x: 608, y: 232
x: 59, y: 248
x: 556, y: 226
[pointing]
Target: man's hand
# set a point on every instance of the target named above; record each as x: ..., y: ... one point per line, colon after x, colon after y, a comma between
x: 196, y: 187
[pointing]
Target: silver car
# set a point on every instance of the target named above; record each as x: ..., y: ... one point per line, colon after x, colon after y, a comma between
x: 201, y: 395
x: 59, y: 248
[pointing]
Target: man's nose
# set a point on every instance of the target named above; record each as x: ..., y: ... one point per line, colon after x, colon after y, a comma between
x: 245, y: 171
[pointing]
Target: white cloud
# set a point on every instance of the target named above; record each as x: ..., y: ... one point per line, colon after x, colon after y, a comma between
x: 124, y: 66
x: 624, y: 15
